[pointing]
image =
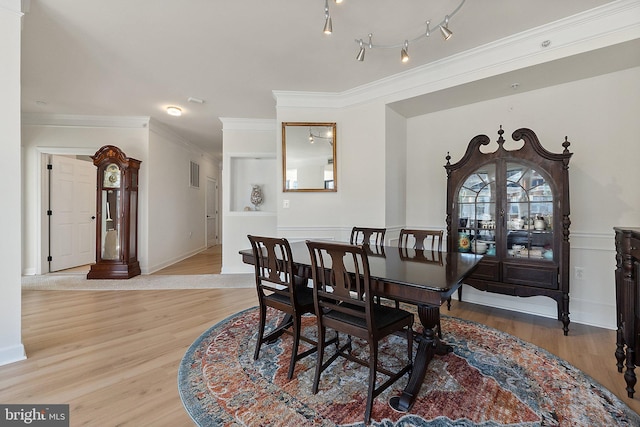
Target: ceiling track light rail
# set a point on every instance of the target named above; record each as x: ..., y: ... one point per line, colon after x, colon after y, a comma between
x: 443, y: 26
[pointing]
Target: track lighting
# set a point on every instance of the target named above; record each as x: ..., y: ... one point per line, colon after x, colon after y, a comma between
x: 404, y: 52
x: 446, y: 33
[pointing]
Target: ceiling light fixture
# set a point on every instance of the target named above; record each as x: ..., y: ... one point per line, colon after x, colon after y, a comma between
x: 174, y: 111
x: 404, y: 55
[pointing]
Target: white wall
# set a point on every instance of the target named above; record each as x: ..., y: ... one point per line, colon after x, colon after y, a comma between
x: 600, y: 117
x: 249, y: 157
x: 163, y: 234
x: 396, y: 175
x: 360, y: 179
x: 177, y: 212
x: 11, y: 348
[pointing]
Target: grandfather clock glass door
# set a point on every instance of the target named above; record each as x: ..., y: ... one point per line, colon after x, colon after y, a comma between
x: 110, y: 219
x: 117, y: 212
x: 133, y: 216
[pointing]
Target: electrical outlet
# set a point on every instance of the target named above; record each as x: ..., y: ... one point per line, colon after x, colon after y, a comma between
x: 578, y: 273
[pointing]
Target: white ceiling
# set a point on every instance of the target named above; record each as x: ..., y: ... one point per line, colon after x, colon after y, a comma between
x: 136, y: 57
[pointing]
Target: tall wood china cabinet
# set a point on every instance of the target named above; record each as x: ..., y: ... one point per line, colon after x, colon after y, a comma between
x: 117, y: 215
x: 513, y: 207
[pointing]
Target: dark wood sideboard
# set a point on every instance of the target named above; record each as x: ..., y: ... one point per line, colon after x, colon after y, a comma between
x: 627, y: 302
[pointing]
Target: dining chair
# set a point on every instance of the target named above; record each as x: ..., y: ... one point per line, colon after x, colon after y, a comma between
x: 279, y: 288
x: 344, y: 302
x: 372, y: 240
x: 373, y: 237
x: 422, y: 240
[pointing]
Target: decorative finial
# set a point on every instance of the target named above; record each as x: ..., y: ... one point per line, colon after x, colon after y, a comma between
x: 500, y: 138
x: 448, y: 158
x: 566, y: 145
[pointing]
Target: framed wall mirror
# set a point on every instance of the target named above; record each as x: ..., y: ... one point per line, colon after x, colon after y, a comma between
x: 309, y: 156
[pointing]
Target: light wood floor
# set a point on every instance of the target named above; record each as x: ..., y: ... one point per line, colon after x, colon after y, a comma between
x: 113, y: 355
x: 208, y: 261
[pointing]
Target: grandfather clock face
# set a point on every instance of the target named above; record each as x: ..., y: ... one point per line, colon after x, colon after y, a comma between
x: 111, y: 176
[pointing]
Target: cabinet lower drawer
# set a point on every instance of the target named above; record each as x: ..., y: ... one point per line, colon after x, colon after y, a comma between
x: 530, y: 275
x: 487, y: 270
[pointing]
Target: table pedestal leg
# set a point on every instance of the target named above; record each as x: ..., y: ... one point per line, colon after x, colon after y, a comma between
x: 428, y: 345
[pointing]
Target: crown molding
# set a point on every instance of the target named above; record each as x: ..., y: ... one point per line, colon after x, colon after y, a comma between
x: 69, y: 120
x: 603, y: 26
x: 257, y: 125
x: 13, y: 6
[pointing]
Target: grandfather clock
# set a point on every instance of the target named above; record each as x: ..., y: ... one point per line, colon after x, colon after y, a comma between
x: 117, y: 215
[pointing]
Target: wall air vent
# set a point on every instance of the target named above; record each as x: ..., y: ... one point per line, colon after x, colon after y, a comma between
x: 194, y: 175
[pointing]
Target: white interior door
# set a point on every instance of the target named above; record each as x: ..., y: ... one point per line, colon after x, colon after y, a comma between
x: 212, y: 212
x: 72, y: 232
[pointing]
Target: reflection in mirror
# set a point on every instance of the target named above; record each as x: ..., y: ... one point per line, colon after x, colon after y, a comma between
x: 309, y: 156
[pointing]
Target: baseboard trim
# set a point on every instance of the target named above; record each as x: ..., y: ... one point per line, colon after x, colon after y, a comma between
x: 581, y: 311
x: 12, y: 354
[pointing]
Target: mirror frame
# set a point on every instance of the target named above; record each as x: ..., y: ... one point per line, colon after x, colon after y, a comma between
x: 332, y: 125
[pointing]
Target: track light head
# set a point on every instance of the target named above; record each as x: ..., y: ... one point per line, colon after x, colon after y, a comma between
x: 360, y: 56
x: 328, y: 26
x: 446, y: 33
x: 404, y: 53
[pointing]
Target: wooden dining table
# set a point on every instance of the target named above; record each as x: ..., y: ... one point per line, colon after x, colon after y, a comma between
x: 422, y: 278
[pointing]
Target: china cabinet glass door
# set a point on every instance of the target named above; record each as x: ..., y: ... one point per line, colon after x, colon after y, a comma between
x: 477, y: 201
x: 525, y: 207
x: 529, y: 213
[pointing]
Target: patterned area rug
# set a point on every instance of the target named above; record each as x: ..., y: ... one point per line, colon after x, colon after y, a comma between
x: 490, y: 379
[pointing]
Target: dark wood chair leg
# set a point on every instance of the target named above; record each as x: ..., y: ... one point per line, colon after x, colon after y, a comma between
x: 373, y: 362
x: 263, y: 318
